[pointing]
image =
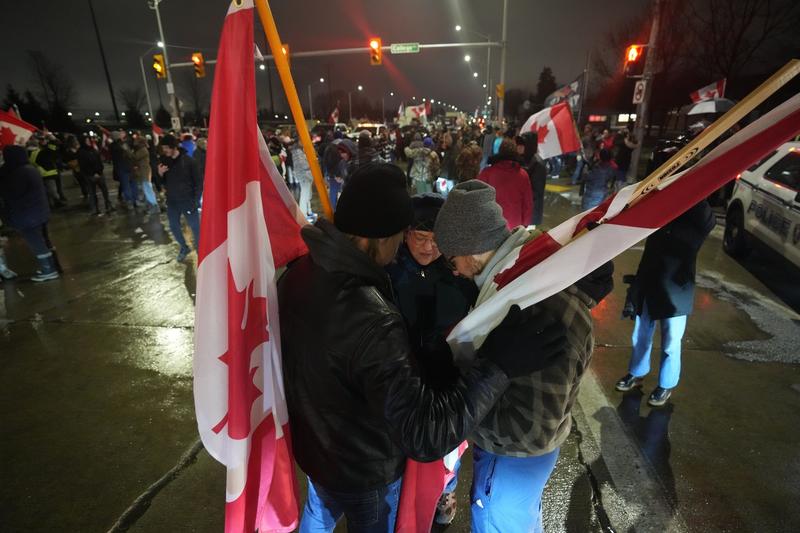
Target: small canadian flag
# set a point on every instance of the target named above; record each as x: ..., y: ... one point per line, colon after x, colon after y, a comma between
x: 709, y: 92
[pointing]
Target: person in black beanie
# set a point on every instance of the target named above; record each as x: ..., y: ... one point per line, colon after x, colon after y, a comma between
x: 358, y: 403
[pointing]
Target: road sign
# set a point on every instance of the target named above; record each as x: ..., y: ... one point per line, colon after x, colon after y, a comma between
x: 405, y: 48
x: 176, y: 123
x: 500, y: 91
x: 638, y: 91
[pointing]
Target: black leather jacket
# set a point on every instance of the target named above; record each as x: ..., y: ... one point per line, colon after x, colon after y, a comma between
x: 357, y: 404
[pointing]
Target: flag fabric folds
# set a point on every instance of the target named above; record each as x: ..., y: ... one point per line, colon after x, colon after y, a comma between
x: 334, y: 118
x: 709, y: 92
x: 250, y: 227
x: 555, y: 130
x: 557, y: 259
x: 14, y: 130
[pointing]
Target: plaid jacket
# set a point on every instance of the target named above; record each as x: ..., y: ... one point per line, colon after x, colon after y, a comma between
x: 533, y: 417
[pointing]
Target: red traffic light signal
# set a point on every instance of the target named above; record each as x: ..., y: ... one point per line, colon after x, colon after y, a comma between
x: 375, y: 51
x: 199, y: 65
x: 159, y: 66
x: 634, y: 60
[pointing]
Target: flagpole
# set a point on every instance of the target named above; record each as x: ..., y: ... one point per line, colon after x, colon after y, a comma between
x: 282, y: 64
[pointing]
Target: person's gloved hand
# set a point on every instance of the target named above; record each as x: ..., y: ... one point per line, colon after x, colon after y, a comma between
x: 526, y: 341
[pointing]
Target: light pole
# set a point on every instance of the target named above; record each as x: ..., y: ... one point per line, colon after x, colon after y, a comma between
x: 488, y: 38
x: 176, y: 119
x: 144, y: 80
x: 310, y: 103
x: 350, y: 102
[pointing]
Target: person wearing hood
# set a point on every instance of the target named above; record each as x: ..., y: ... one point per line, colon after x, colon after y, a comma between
x: 421, y: 154
x: 366, y: 150
x: 358, y: 403
x: 24, y: 207
x: 346, y: 166
x: 513, y: 185
x: 122, y: 160
x: 181, y: 180
x: 516, y: 446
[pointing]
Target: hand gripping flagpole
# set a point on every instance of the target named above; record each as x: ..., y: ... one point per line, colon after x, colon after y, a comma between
x: 282, y: 63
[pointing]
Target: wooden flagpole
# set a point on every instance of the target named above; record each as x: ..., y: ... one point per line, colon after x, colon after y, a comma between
x: 720, y: 126
x: 282, y: 64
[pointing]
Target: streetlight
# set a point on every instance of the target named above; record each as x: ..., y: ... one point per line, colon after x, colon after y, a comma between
x: 69, y: 113
x: 175, y: 114
x: 474, y: 74
x: 310, y: 103
x: 350, y: 102
x: 360, y: 87
x: 467, y: 58
x: 391, y: 94
x: 488, y: 55
x: 97, y: 113
x: 262, y: 66
x: 160, y: 44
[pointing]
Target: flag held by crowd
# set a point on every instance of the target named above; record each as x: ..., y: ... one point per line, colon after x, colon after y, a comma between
x: 250, y: 227
x: 555, y: 130
x: 709, y: 92
x: 14, y: 130
x: 570, y: 93
x: 567, y: 253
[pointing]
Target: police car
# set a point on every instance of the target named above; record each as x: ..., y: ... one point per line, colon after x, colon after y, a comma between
x: 766, y: 205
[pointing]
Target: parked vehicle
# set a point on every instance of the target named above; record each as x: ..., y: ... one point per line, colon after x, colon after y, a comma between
x: 765, y: 206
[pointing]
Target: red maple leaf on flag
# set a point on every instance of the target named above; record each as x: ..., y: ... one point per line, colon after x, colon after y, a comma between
x: 247, y: 329
x: 7, y: 136
x: 541, y: 133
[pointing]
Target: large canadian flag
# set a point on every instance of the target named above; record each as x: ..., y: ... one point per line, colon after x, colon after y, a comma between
x: 250, y: 227
x: 557, y: 259
x: 709, y: 92
x: 554, y: 129
x: 14, y: 130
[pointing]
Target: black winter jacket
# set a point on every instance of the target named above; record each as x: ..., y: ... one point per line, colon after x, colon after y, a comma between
x: 357, y: 404
x: 183, y: 182
x: 665, y: 279
x: 89, y: 162
x: 23, y: 200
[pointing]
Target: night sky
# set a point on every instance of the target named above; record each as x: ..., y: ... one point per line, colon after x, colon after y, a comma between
x: 555, y: 33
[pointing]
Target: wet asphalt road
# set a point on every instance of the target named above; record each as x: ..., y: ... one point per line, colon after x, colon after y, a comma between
x: 97, y: 402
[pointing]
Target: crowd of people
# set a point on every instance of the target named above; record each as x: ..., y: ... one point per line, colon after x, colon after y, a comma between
x: 397, y: 280
x: 151, y: 174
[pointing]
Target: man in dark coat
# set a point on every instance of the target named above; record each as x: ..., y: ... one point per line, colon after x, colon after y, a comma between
x: 90, y: 167
x: 182, y: 182
x: 24, y: 207
x: 358, y: 403
x: 663, y: 291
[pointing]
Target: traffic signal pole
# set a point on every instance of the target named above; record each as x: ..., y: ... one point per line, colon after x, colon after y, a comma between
x: 501, y: 98
x: 642, y: 108
x: 173, y: 99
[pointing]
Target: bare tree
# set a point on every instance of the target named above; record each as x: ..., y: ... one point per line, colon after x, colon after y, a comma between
x: 133, y: 98
x: 56, y: 87
x: 731, y: 36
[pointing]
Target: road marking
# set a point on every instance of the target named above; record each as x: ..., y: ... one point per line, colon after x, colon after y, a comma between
x: 636, y: 501
x: 558, y: 188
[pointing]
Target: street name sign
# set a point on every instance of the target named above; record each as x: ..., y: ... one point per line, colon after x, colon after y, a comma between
x: 404, y: 48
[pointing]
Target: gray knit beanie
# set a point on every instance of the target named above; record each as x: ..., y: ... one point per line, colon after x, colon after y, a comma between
x: 470, y: 222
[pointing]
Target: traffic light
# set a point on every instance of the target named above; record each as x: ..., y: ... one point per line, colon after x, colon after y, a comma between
x: 634, y: 60
x: 199, y: 65
x: 375, y: 51
x: 159, y: 66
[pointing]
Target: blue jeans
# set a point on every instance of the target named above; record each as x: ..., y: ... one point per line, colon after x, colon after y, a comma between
x: 372, y: 511
x: 127, y: 187
x: 576, y: 176
x: 333, y: 191
x: 507, y: 491
x: 192, y: 219
x: 672, y: 330
x: 149, y: 194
